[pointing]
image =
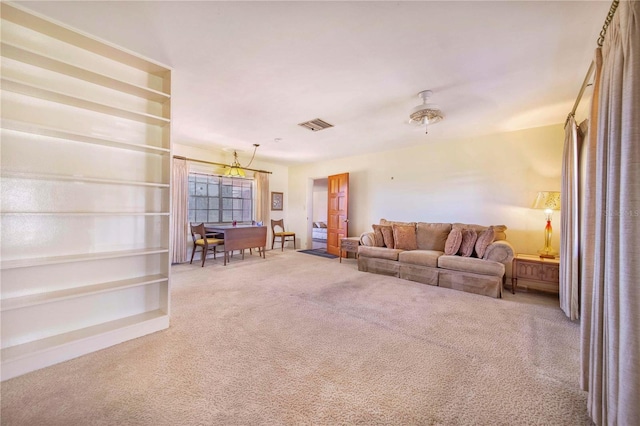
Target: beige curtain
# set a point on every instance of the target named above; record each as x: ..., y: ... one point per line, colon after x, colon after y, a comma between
x: 179, y: 200
x: 262, y: 197
x: 569, y: 242
x: 610, y: 316
x: 587, y: 230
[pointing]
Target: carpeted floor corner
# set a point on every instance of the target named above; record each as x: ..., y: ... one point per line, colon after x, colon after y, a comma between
x: 298, y: 339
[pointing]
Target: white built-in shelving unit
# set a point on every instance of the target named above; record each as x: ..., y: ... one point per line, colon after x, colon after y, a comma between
x: 85, y: 185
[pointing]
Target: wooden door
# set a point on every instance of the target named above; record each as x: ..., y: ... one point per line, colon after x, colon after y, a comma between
x: 337, y: 211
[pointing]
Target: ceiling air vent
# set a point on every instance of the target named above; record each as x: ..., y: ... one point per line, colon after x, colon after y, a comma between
x: 316, y: 125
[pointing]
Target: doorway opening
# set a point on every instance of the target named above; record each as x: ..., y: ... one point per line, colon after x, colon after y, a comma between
x: 319, y: 214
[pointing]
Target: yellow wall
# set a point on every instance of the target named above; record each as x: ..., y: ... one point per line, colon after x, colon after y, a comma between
x: 484, y: 180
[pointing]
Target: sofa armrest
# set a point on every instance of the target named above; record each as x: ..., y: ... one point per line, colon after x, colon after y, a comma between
x: 499, y: 251
x: 366, y: 239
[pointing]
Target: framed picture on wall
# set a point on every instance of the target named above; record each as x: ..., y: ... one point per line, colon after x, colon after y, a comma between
x: 276, y: 200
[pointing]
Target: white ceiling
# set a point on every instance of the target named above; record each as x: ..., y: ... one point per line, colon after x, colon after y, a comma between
x: 249, y: 72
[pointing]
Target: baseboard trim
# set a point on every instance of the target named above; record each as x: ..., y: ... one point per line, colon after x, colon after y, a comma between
x: 32, y: 356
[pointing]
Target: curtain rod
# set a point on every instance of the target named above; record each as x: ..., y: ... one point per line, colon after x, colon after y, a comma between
x: 179, y: 157
x: 585, y: 83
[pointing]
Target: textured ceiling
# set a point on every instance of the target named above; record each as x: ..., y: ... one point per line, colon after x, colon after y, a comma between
x: 249, y: 72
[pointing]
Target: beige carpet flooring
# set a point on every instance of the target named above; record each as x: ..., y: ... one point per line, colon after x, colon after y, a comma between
x: 299, y: 340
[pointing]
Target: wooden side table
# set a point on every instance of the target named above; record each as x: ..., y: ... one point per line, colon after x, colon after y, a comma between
x: 349, y: 245
x: 542, y: 273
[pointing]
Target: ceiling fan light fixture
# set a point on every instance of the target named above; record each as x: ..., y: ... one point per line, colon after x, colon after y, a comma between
x: 426, y: 113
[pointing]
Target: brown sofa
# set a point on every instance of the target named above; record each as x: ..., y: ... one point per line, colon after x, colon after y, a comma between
x: 429, y: 264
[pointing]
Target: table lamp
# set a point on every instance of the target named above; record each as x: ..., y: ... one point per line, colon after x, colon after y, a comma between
x: 549, y: 201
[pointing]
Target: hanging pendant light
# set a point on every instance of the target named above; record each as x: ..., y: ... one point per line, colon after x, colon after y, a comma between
x: 236, y: 169
x: 426, y: 113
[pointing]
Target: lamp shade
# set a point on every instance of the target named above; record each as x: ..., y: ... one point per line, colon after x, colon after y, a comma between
x: 234, y: 171
x: 547, y: 200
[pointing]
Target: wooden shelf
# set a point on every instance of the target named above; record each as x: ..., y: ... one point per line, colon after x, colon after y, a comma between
x: 15, y: 86
x: 34, y: 58
x: 36, y: 129
x: 66, y: 178
x: 83, y: 214
x: 85, y: 257
x: 35, y: 22
x: 54, y: 296
x: 49, y: 343
x: 97, y: 94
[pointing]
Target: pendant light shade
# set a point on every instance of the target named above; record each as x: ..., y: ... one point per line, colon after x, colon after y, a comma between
x: 236, y: 169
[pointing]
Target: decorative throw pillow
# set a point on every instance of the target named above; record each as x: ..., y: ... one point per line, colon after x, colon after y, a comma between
x: 454, y: 240
x: 322, y: 225
x: 404, y: 237
x: 469, y: 237
x: 387, y: 235
x: 484, y: 240
x: 378, y: 239
x: 499, y: 230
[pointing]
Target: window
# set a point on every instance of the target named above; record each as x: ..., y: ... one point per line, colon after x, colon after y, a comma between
x: 218, y: 199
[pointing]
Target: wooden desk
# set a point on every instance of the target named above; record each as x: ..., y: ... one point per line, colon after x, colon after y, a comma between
x: 241, y: 237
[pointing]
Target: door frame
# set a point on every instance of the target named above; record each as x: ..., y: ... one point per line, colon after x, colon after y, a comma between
x: 309, y: 230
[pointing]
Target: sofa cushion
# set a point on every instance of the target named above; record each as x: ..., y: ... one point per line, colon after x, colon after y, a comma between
x: 432, y: 236
x: 499, y: 233
x: 483, y: 241
x: 393, y: 222
x: 471, y: 264
x: 387, y: 236
x: 378, y: 239
x: 499, y: 230
x: 469, y: 238
x: 452, y: 245
x: 404, y: 237
x: 421, y: 257
x: 379, y: 252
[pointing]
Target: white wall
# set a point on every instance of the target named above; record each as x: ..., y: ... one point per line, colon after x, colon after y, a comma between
x: 485, y: 180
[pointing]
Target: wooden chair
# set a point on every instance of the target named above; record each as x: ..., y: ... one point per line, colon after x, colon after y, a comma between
x: 284, y: 235
x: 198, y: 234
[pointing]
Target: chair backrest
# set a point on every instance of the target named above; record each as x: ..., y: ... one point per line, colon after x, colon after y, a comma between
x: 275, y: 223
x: 197, y: 231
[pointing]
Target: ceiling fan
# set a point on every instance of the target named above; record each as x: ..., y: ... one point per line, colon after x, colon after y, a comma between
x: 426, y: 113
